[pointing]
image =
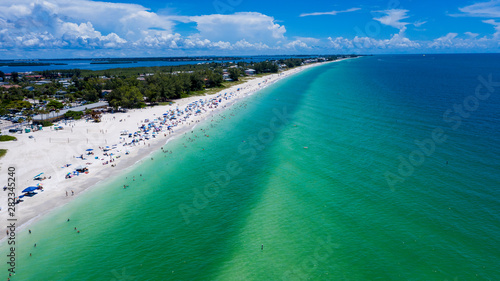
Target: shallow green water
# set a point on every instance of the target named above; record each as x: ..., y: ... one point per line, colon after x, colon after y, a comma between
x: 300, y: 169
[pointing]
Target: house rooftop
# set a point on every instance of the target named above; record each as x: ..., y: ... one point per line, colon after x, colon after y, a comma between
x: 55, y: 115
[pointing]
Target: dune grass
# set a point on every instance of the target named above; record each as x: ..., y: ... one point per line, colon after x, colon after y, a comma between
x: 7, y: 138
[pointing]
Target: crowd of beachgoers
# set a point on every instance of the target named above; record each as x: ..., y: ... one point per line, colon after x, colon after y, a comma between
x: 64, y: 162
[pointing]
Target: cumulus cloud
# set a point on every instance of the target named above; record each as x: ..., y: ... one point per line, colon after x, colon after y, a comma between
x: 340, y: 43
x: 471, y: 42
x: 84, y: 24
x: 396, y: 42
x: 332, y: 13
x: 85, y: 27
x: 250, y: 26
x: 297, y: 44
x: 39, y: 25
x: 444, y: 41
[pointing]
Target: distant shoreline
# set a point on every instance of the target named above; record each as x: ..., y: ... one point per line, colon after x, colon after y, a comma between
x: 115, y: 63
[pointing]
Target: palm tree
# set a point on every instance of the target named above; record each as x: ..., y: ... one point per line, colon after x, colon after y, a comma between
x: 29, y: 118
x: 44, y: 113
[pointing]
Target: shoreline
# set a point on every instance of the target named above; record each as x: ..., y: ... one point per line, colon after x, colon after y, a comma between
x: 32, y: 156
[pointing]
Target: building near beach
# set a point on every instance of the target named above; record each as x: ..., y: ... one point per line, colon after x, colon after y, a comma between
x: 54, y: 116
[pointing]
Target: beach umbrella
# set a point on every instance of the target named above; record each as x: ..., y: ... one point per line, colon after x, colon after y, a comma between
x: 90, y: 149
x: 38, y: 175
x: 30, y: 188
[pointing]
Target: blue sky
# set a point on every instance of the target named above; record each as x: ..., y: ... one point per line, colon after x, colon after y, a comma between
x: 84, y: 28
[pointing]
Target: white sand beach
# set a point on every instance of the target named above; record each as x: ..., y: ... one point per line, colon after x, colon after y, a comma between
x: 50, y: 151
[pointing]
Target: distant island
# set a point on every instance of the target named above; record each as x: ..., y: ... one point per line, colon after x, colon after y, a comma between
x: 112, y: 62
x: 30, y: 64
x: 173, y: 59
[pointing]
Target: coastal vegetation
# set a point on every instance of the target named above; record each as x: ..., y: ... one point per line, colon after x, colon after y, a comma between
x: 49, y: 91
x: 3, y: 152
x: 73, y: 115
x: 7, y: 138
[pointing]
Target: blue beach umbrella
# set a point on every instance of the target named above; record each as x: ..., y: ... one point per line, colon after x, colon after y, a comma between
x: 90, y: 149
x: 30, y: 188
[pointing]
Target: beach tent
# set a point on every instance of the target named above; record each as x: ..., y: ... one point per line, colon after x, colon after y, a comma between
x: 81, y: 168
x: 29, y: 188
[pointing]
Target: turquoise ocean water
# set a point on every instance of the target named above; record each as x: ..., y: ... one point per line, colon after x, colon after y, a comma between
x: 377, y: 168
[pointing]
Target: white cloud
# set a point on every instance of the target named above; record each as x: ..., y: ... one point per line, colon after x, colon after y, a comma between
x: 471, y: 35
x: 243, y: 44
x: 367, y: 44
x: 340, y: 43
x: 86, y: 28
x: 250, y: 26
x: 159, y: 40
x: 297, y: 44
x: 332, y: 13
x: 490, y: 9
x: 39, y: 25
x: 452, y: 41
x: 496, y: 35
x: 307, y: 40
x: 84, y: 24
x: 444, y: 41
x: 419, y: 23
x: 393, y: 18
